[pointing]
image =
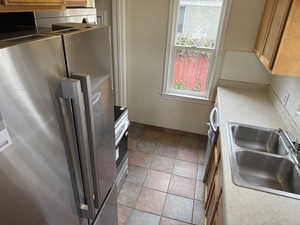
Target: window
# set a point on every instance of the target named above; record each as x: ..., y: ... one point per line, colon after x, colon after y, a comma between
x: 181, y: 19
x: 192, y: 47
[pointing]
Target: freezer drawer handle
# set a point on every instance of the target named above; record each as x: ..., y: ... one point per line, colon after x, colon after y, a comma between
x: 71, y: 90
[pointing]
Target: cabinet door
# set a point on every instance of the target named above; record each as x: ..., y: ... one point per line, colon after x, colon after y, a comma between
x: 218, y: 215
x: 265, y: 26
x: 279, y: 18
x: 288, y: 56
x: 211, y: 176
x: 33, y: 2
x: 76, y: 3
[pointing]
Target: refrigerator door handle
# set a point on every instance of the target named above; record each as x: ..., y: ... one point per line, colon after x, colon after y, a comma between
x: 89, y: 101
x: 71, y: 90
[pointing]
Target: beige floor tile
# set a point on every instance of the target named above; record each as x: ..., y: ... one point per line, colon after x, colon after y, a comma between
x: 167, y: 221
x: 178, y: 208
x: 152, y: 133
x: 136, y: 130
x: 198, y: 214
x: 199, y: 194
x: 191, y: 141
x: 147, y: 145
x: 142, y: 218
x: 169, y: 151
x: 151, y: 201
x: 185, y: 169
x: 201, y: 157
x: 136, y: 174
x: 132, y: 143
x: 123, y: 214
x: 200, y: 172
x: 129, y: 194
x: 190, y: 155
x: 163, y: 164
x: 157, y: 180
x: 182, y: 186
x: 139, y: 158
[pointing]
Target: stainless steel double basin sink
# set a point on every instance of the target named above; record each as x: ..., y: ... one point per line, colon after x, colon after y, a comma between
x: 262, y: 159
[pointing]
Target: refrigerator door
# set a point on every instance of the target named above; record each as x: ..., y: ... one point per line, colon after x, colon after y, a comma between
x: 36, y: 172
x: 108, y: 214
x: 88, y: 56
x: 74, y: 100
x: 88, y: 51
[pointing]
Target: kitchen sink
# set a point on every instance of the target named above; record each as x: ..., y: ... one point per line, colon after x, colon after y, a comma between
x: 269, y: 172
x: 262, y: 159
x: 258, y: 139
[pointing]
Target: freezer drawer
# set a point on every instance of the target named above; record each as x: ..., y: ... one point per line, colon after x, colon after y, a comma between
x: 108, y: 215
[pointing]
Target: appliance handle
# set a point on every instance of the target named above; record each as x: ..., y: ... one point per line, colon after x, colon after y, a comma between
x: 213, y: 115
x: 71, y: 90
x: 89, y: 101
x: 120, y: 131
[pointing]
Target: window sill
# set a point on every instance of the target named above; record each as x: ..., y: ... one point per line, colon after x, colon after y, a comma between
x: 187, y: 98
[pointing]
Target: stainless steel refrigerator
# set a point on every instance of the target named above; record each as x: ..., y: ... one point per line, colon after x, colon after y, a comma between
x: 57, y: 158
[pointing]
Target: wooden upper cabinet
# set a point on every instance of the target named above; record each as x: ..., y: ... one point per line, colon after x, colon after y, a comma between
x: 265, y: 26
x: 76, y: 3
x: 277, y: 45
x: 30, y: 5
x: 33, y: 2
x: 276, y: 28
x: 288, y: 57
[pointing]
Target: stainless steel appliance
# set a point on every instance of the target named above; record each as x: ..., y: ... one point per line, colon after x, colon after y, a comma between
x: 45, y: 19
x: 121, y: 144
x: 57, y: 159
x: 213, y: 134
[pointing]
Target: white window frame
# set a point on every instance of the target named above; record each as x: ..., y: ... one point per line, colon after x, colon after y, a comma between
x: 170, y: 58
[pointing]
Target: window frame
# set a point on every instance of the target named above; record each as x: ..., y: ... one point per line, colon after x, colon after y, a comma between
x: 170, y: 57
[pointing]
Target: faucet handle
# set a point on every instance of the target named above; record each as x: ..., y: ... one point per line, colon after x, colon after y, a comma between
x: 291, y: 139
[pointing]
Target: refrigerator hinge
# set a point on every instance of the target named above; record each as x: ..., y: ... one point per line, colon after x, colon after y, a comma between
x: 84, y: 210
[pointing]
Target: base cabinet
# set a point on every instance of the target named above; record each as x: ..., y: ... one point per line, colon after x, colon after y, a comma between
x: 213, y: 205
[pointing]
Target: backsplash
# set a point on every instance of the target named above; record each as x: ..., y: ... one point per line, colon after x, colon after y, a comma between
x: 287, y: 90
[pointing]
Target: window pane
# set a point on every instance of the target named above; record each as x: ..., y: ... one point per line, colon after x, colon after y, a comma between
x: 181, y: 19
x: 191, y: 69
x: 198, y: 22
x: 197, y: 30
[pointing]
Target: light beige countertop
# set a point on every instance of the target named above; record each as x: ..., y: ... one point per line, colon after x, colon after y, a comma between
x: 243, y: 206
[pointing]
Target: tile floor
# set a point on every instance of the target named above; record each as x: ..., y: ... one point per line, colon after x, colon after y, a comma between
x: 163, y: 186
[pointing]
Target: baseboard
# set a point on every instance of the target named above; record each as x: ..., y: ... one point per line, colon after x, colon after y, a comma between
x: 174, y: 131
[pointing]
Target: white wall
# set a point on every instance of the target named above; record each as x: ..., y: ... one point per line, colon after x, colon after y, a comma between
x: 146, y: 41
x: 244, y: 66
x: 240, y: 62
x: 105, y: 5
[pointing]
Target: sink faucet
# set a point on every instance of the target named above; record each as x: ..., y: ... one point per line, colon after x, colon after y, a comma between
x: 294, y: 143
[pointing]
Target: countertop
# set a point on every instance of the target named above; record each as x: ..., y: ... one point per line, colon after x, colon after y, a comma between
x: 243, y: 206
